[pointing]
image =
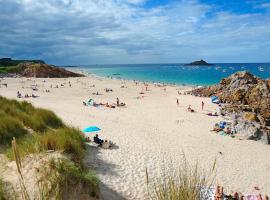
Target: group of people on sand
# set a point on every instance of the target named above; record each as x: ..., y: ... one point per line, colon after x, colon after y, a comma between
x: 19, y: 95
x: 100, y: 142
x: 219, y: 195
x: 108, y: 90
x: 91, y: 102
x: 189, y: 109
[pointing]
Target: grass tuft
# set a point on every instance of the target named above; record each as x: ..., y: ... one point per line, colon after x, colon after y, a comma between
x: 2, y: 193
x: 182, y: 184
x: 66, y: 178
x: 36, y: 119
x: 68, y: 140
x: 9, y: 128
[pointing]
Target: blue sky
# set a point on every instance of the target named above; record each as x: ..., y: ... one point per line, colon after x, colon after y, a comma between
x: 135, y: 31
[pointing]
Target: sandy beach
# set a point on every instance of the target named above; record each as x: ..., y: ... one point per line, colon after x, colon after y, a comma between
x: 151, y: 132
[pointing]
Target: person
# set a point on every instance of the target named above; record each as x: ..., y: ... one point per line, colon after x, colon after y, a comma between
x: 98, y: 140
x: 19, y: 94
x: 117, y: 101
x: 190, y: 109
x: 177, y: 102
x: 202, y: 105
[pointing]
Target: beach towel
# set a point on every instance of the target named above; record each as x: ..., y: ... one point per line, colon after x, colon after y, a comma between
x: 251, y: 197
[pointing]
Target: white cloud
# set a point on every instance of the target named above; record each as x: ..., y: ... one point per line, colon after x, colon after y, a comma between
x: 118, y: 31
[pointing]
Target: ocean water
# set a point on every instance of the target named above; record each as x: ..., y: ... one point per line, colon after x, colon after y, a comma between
x: 177, y: 73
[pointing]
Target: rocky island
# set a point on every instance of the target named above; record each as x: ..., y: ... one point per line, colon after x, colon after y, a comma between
x: 32, y: 68
x: 199, y: 62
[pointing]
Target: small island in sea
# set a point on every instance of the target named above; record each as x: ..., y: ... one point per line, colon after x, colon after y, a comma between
x: 199, y: 62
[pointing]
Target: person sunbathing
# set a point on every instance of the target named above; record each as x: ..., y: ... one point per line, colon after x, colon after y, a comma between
x: 211, y: 114
x: 190, y: 109
x: 97, y: 140
x: 19, y: 95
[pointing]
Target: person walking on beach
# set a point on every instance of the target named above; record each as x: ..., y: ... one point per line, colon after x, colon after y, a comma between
x: 117, y: 101
x: 202, y: 105
x: 177, y: 102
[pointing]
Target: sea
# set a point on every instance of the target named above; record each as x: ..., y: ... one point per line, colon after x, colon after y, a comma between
x: 178, y: 74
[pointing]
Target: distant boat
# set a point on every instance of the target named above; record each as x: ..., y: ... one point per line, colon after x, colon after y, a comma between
x: 218, y: 67
x: 231, y: 68
x: 224, y: 70
x: 261, y: 69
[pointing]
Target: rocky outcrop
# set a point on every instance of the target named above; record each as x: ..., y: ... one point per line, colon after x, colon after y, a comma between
x: 199, y: 62
x: 247, y: 95
x: 40, y: 70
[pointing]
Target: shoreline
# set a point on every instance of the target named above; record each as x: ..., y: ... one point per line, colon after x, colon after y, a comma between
x: 130, y: 80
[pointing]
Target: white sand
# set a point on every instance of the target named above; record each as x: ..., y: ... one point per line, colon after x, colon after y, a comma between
x: 150, y: 132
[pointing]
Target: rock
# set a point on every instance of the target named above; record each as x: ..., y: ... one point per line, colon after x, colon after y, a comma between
x: 246, y: 130
x: 200, y: 62
x: 245, y: 93
x: 250, y: 116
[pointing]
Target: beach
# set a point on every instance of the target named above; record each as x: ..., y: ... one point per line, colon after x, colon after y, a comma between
x: 151, y: 132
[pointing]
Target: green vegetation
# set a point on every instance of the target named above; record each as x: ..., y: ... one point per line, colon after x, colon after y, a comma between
x: 9, y: 69
x: 36, y: 119
x: 2, y: 193
x: 6, y: 62
x: 64, y: 176
x: 182, y: 184
x: 9, y: 128
x: 38, y: 130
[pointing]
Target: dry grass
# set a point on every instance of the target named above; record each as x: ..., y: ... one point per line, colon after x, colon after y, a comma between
x: 2, y: 193
x: 184, y: 183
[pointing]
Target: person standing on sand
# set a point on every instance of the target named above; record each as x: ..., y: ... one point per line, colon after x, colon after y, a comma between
x: 177, y: 102
x: 202, y: 105
x: 117, y: 101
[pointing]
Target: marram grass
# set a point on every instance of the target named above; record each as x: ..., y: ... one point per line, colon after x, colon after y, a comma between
x: 184, y: 183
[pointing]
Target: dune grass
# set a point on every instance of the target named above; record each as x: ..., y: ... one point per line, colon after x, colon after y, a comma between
x: 9, y: 128
x: 184, y: 183
x: 2, y: 193
x: 36, y: 119
x: 65, y: 176
x: 38, y: 130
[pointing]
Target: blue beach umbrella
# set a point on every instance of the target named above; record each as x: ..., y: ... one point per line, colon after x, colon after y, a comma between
x: 91, y: 129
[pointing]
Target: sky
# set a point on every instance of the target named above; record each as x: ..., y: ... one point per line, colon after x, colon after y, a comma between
x: 81, y: 32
